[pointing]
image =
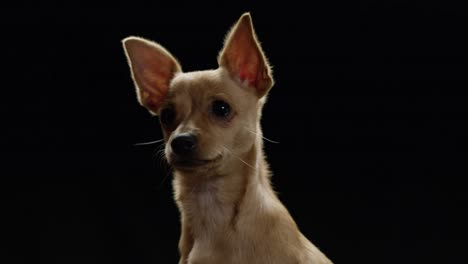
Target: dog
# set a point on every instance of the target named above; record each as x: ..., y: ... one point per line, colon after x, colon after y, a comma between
x: 211, y: 125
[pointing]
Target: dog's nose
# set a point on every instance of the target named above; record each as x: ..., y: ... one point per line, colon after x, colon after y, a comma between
x: 184, y: 144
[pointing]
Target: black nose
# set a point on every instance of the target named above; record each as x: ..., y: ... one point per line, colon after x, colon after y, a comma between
x: 184, y: 144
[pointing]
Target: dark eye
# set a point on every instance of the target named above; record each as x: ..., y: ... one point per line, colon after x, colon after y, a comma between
x: 167, y: 116
x: 221, y: 109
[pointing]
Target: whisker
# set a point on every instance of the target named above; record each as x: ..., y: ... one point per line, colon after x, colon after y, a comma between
x: 267, y: 139
x: 148, y: 143
x: 246, y: 163
x: 243, y: 161
x: 164, y: 179
x: 159, y: 155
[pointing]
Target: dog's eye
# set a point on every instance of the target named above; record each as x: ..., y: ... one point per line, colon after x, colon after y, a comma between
x: 221, y: 109
x: 167, y: 116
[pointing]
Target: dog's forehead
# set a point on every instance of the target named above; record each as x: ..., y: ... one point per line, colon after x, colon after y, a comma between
x: 201, y: 85
x: 202, y: 80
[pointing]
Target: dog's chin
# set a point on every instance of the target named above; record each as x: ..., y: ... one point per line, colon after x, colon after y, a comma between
x: 194, y: 164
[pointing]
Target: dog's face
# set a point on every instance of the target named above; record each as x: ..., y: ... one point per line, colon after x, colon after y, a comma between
x: 206, y: 119
x: 209, y: 118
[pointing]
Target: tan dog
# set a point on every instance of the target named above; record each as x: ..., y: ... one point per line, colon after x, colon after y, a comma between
x: 211, y: 126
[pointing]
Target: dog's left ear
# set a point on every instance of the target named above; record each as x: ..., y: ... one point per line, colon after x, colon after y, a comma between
x: 152, y: 68
x: 243, y: 57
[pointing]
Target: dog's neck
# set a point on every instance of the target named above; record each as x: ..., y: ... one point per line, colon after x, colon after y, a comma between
x: 212, y: 203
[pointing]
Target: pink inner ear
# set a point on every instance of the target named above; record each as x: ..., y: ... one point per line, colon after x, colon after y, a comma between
x: 246, y: 74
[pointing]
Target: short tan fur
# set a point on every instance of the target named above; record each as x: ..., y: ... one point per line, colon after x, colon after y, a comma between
x: 211, y: 125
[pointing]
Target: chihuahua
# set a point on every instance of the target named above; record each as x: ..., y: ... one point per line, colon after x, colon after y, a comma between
x: 211, y: 125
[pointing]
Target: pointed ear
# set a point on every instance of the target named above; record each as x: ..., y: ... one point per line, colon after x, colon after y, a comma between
x: 152, y: 68
x: 243, y: 57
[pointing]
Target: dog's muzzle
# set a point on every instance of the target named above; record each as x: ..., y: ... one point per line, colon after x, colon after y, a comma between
x: 184, y: 155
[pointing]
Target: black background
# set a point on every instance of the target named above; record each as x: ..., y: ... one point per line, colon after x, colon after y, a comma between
x: 369, y: 109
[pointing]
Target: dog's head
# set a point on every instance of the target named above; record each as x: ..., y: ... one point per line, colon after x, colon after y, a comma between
x: 208, y: 117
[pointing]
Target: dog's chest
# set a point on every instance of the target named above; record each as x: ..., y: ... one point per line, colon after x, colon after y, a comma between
x: 206, y: 210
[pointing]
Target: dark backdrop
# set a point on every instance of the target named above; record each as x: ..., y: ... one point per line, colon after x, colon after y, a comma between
x: 368, y: 108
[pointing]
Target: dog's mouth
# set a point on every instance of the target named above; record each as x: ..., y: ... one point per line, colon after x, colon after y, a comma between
x: 192, y: 163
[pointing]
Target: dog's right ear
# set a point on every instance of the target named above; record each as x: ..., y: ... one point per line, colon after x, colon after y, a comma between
x: 152, y: 68
x: 243, y: 57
